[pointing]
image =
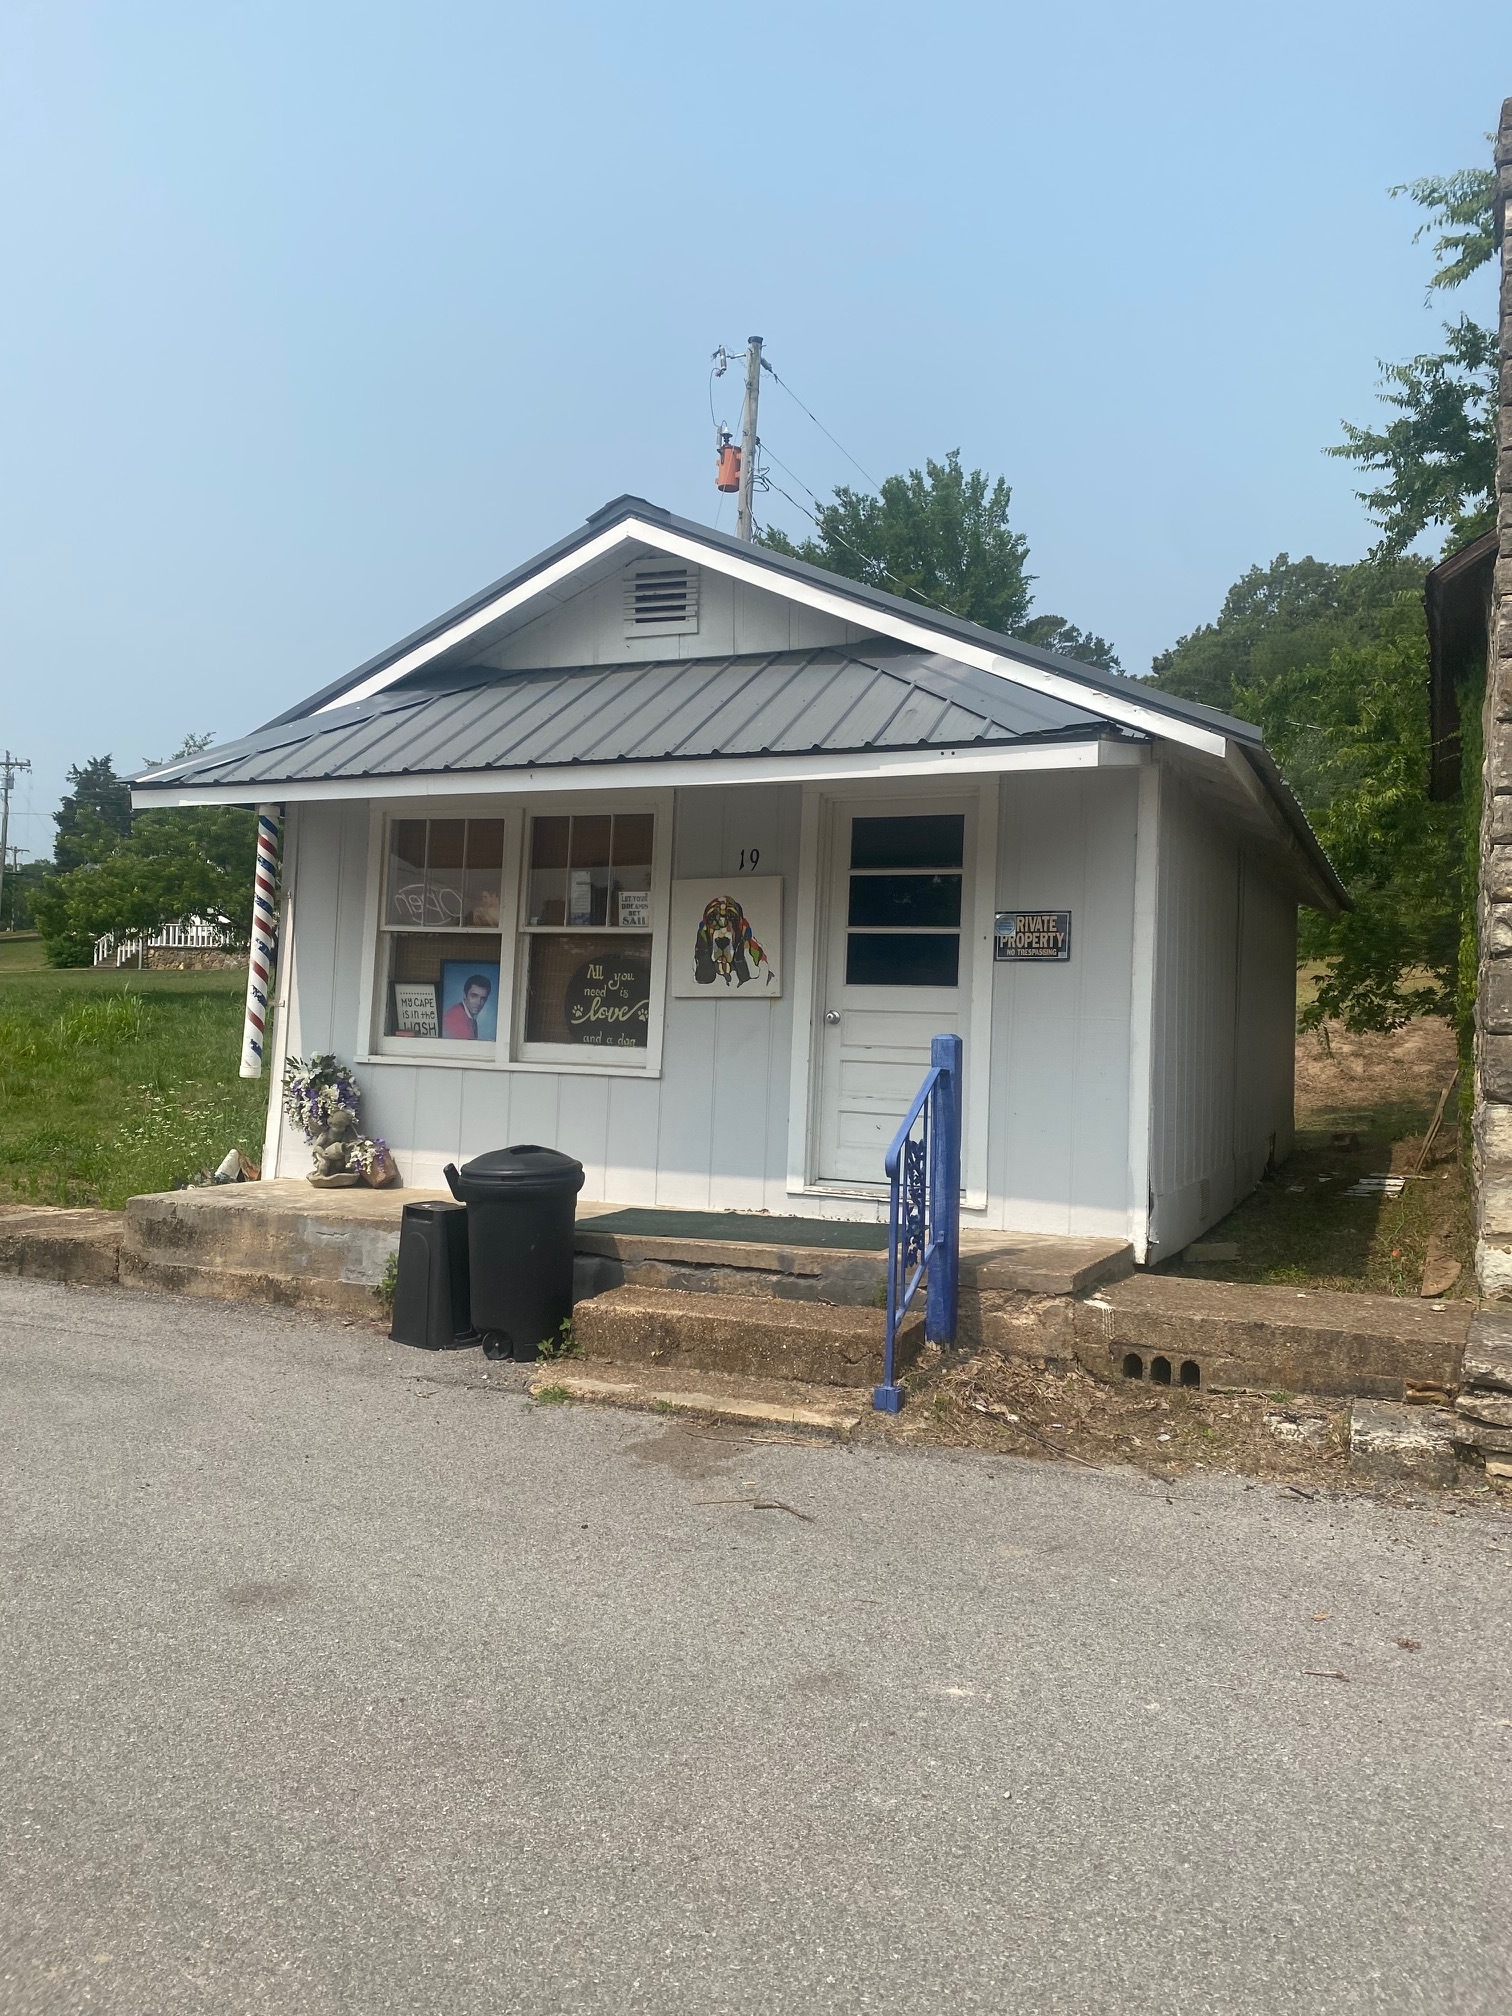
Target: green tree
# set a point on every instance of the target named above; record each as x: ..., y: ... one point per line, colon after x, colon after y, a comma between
x: 938, y: 534
x: 193, y: 862
x: 1277, y: 619
x: 1054, y: 633
x: 94, y: 814
x: 119, y: 874
x: 1436, y: 457
x: 941, y: 535
x: 1351, y: 732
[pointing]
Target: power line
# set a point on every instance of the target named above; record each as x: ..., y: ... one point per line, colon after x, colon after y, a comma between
x: 868, y: 560
x: 872, y: 481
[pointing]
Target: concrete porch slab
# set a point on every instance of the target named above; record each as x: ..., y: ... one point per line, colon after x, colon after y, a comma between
x: 52, y: 1244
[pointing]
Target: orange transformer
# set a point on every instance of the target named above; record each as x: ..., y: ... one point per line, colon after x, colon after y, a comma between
x: 727, y: 467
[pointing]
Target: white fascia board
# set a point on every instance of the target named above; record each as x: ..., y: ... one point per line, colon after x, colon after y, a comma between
x: 1253, y: 789
x: 468, y: 626
x: 833, y: 602
x: 717, y: 770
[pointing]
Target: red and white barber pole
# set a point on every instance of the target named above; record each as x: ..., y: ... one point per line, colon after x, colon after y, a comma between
x: 263, y: 957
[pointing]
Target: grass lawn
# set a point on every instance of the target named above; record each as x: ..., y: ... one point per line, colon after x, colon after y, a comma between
x: 112, y: 1083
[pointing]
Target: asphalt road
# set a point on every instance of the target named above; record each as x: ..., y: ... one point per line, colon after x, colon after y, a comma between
x: 340, y: 1679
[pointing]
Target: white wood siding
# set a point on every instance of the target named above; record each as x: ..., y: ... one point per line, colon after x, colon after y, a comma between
x: 1225, y: 991
x: 590, y: 628
x: 1058, y: 1141
x: 710, y: 1133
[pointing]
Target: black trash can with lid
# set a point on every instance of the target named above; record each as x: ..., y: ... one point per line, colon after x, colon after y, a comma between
x: 521, y: 1203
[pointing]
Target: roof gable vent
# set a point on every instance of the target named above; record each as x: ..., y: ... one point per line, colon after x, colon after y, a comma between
x: 661, y: 599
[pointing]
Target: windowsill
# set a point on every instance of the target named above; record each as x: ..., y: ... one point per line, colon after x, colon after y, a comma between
x: 539, y: 1066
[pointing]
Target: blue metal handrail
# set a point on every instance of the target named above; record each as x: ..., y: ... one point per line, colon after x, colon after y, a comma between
x: 924, y: 1213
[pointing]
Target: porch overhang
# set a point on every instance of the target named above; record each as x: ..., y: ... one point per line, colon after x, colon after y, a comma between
x: 1087, y: 754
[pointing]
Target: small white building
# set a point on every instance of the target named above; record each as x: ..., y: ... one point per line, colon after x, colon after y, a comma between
x: 673, y: 853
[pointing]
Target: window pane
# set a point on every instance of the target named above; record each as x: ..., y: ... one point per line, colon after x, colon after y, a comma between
x: 588, y: 873
x: 406, y: 872
x: 917, y: 840
x: 633, y: 834
x: 443, y: 872
x: 483, y: 877
x: 895, y: 959
x: 593, y: 990
x: 547, y: 900
x: 630, y: 885
x: 905, y: 899
x: 445, y: 986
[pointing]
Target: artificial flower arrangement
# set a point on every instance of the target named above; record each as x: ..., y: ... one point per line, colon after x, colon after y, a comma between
x: 323, y: 1099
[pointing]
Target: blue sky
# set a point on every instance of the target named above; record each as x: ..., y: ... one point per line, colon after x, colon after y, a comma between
x: 319, y: 316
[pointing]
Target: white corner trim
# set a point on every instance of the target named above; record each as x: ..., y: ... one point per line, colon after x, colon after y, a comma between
x: 1142, y: 1006
x: 805, y: 989
x: 978, y: 1033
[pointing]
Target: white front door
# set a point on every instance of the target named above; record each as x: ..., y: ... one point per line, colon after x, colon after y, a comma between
x: 896, y: 970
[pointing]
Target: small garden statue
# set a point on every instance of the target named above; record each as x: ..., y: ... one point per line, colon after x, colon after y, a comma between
x: 321, y: 1097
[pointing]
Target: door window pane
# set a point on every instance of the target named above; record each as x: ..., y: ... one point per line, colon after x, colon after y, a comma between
x: 900, y: 900
x: 902, y: 959
x: 915, y: 840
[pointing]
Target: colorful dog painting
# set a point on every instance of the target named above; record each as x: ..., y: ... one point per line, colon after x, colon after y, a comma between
x: 725, y: 949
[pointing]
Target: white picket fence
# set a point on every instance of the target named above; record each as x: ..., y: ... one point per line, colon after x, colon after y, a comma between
x: 185, y: 934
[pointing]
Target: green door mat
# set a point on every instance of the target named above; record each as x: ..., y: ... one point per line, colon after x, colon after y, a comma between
x: 749, y: 1228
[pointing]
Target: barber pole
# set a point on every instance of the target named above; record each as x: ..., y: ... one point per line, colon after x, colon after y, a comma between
x: 264, y: 953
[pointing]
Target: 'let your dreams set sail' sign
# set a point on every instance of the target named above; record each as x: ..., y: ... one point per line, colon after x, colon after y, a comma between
x: 1032, y: 934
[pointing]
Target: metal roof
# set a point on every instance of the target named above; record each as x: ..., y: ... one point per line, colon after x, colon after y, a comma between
x: 837, y: 699
x: 783, y: 566
x: 882, y: 696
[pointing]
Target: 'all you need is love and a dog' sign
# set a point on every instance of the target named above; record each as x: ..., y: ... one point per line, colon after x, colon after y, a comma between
x: 727, y: 939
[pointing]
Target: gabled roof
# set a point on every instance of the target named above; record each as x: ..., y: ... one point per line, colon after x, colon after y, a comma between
x: 630, y: 510
x: 832, y: 701
x: 951, y: 683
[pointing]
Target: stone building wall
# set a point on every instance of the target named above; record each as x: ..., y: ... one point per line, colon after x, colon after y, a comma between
x: 1493, y: 1049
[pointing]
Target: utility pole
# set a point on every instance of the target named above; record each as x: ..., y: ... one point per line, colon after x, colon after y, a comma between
x: 10, y: 767
x: 745, y: 520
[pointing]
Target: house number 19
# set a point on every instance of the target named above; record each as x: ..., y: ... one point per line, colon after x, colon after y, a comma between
x: 749, y: 856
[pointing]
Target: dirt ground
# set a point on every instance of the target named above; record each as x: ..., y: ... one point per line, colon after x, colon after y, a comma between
x: 1364, y: 1106
x: 1345, y: 1080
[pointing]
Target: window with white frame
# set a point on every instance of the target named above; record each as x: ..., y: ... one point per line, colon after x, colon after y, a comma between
x: 440, y: 962
x: 585, y: 934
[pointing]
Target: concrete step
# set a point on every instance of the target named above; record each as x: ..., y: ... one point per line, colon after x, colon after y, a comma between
x: 284, y: 1242
x: 1220, y: 1333
x: 761, y: 1337
x: 46, y: 1244
x: 754, y: 1403
x: 997, y: 1268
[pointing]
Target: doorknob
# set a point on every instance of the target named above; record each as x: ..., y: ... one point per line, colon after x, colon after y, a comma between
x: 832, y: 1017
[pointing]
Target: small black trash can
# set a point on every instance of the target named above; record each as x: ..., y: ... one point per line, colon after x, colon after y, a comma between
x: 520, y: 1208
x: 431, y: 1291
